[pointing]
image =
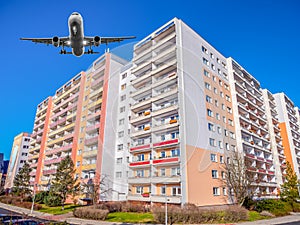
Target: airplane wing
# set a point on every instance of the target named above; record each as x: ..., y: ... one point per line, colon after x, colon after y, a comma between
x: 105, y: 40
x: 48, y: 41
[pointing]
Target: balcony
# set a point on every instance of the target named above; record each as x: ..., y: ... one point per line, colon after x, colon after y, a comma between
x: 48, y: 172
x: 65, y: 101
x: 173, y: 160
x: 58, y: 122
x: 165, y: 95
x: 92, y: 127
x: 144, y: 132
x: 88, y: 167
x: 90, y: 153
x: 166, y: 126
x: 139, y: 180
x: 162, y: 199
x: 138, y: 197
x: 52, y: 161
x: 145, y: 116
x: 93, y: 104
x: 140, y: 148
x: 166, y: 143
x: 91, y: 141
x: 60, y: 149
x: 164, y: 110
x: 169, y: 180
x: 140, y: 163
x: 145, y: 104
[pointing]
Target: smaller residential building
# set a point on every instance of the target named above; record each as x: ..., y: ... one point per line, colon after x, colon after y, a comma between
x: 18, y: 156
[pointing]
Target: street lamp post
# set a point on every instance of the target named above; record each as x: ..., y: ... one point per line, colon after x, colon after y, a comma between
x: 166, y: 206
x: 32, y: 205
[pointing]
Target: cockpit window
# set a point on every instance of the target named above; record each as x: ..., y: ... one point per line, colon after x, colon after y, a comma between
x: 75, y: 13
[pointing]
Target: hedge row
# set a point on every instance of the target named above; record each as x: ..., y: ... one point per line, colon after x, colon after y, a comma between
x: 122, y: 207
x: 90, y: 212
x: 195, y: 215
x: 20, y: 202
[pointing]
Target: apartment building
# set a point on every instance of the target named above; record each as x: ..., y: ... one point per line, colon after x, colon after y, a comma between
x: 18, y: 156
x: 181, y: 119
x: 78, y: 121
x: 122, y: 144
x: 288, y: 116
x: 252, y: 129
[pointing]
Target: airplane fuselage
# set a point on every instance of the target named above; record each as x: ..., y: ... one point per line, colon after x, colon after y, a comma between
x: 76, y: 34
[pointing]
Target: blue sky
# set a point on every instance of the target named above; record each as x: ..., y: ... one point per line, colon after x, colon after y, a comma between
x: 262, y: 35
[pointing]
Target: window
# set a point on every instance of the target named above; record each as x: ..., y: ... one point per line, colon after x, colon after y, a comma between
x: 227, y: 146
x: 79, y: 152
x: 204, y: 50
x: 124, y: 76
x: 226, y: 86
x: 218, y: 116
x: 227, y: 97
x: 212, y: 142
x: 210, y: 113
x: 223, y: 174
x: 176, y: 191
x: 121, y: 121
x: 214, y: 79
x: 78, y: 163
x: 211, y: 127
x: 208, y: 99
x: 122, y: 109
x: 207, y: 86
x: 224, y: 120
x: 220, y: 144
x: 120, y: 147
x: 118, y: 174
x: 140, y: 157
x: 163, y: 190
x: 174, y: 135
x: 230, y: 122
x: 163, y: 154
x: 213, y: 67
x: 218, y: 60
x: 205, y: 61
x: 163, y: 137
x: 231, y: 134
x: 213, y: 157
x: 223, y: 106
x: 123, y: 97
x: 140, y: 173
x: 162, y: 172
x: 229, y: 110
x: 123, y: 86
x: 222, y: 94
x: 214, y: 174
x: 216, y: 191
x: 212, y: 56
x: 139, y: 190
x: 175, y: 152
x: 221, y: 159
x: 219, y: 71
x: 206, y: 73
x: 119, y: 160
x: 175, y: 171
x: 219, y: 130
x: 226, y: 132
x: 224, y: 191
x: 216, y: 103
x: 121, y: 134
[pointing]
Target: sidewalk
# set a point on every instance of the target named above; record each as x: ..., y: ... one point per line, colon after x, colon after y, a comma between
x: 68, y: 217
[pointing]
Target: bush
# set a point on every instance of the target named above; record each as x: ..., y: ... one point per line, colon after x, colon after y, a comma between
x: 274, y: 206
x: 41, y: 197
x: 122, y: 207
x: 28, y: 205
x: 193, y: 215
x: 91, y: 212
x: 53, y: 200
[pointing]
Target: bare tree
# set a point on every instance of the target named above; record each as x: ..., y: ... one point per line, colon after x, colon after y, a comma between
x: 96, y: 187
x: 238, y: 178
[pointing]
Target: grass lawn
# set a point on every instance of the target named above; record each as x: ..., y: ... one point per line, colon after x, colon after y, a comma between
x: 56, y: 210
x: 127, y: 217
x: 253, y: 216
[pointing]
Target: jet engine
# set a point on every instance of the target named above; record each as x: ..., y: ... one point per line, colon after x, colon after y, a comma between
x: 97, y: 40
x: 55, y: 41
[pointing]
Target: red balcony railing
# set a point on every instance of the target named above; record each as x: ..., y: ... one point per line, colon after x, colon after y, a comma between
x: 140, y: 147
x: 140, y: 163
x: 168, y: 142
x: 166, y: 160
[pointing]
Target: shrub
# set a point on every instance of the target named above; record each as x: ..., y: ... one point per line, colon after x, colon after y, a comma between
x: 91, y: 212
x: 194, y: 215
x: 130, y: 207
x: 52, y: 200
x: 274, y: 206
x: 266, y: 213
x: 28, y: 205
x: 41, y: 197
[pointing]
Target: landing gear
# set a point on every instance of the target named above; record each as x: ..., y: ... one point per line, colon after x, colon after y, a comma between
x: 90, y: 51
x: 63, y: 52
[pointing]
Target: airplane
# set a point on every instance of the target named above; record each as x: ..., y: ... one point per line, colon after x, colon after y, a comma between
x: 76, y: 39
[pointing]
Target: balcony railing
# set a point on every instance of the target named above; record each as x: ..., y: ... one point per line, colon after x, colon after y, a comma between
x: 52, y: 161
